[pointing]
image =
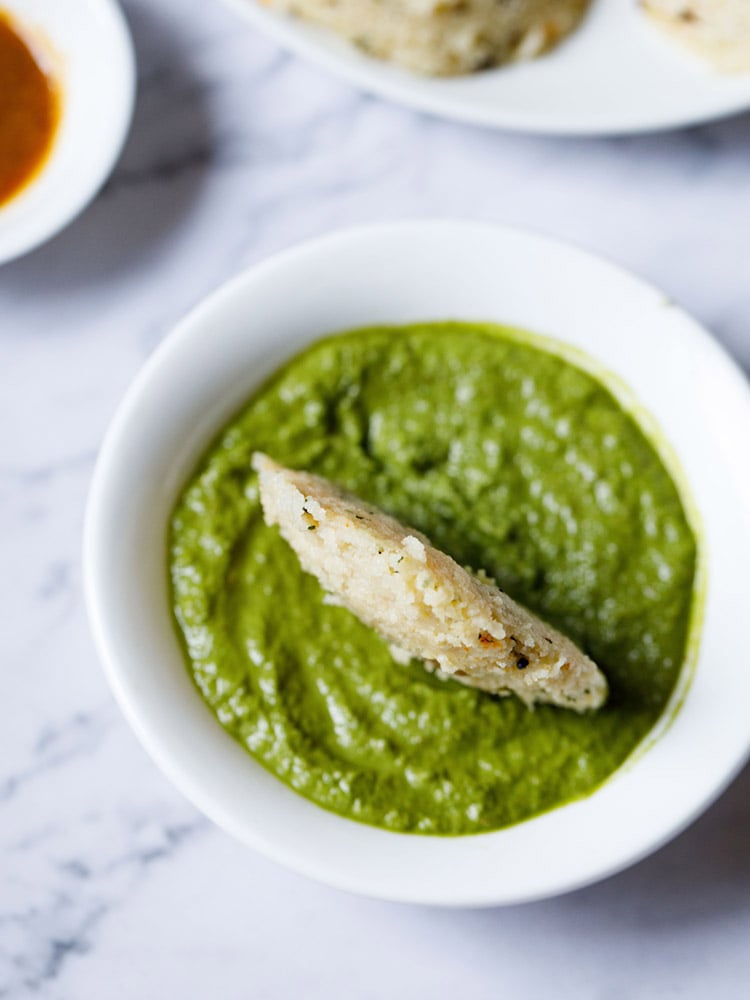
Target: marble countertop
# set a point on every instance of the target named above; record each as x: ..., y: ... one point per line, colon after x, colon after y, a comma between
x: 111, y: 885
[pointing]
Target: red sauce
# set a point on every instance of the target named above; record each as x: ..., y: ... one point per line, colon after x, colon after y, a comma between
x: 29, y: 112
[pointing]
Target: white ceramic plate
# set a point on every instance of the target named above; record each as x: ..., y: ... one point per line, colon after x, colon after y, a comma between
x: 616, y: 74
x: 87, y: 46
x: 401, y: 273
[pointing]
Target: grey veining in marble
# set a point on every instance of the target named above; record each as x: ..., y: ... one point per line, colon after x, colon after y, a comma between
x: 111, y: 885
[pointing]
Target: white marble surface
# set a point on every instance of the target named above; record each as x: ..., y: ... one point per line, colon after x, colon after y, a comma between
x: 110, y: 884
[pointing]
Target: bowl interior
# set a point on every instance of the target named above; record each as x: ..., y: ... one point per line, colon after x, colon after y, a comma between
x: 87, y: 48
x: 403, y: 273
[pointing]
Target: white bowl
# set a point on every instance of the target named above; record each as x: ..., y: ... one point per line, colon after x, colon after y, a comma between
x: 617, y: 73
x: 88, y: 50
x: 401, y: 273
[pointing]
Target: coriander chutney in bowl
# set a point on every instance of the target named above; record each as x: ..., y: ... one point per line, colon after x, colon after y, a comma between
x: 516, y: 462
x: 597, y: 472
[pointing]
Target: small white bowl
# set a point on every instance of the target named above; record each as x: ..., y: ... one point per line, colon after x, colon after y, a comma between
x: 401, y: 273
x: 88, y: 50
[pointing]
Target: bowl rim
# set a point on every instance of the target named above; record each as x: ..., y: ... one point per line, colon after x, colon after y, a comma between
x: 25, y: 223
x: 177, y: 771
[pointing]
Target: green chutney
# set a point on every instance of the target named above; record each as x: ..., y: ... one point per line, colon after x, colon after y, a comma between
x: 511, y: 459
